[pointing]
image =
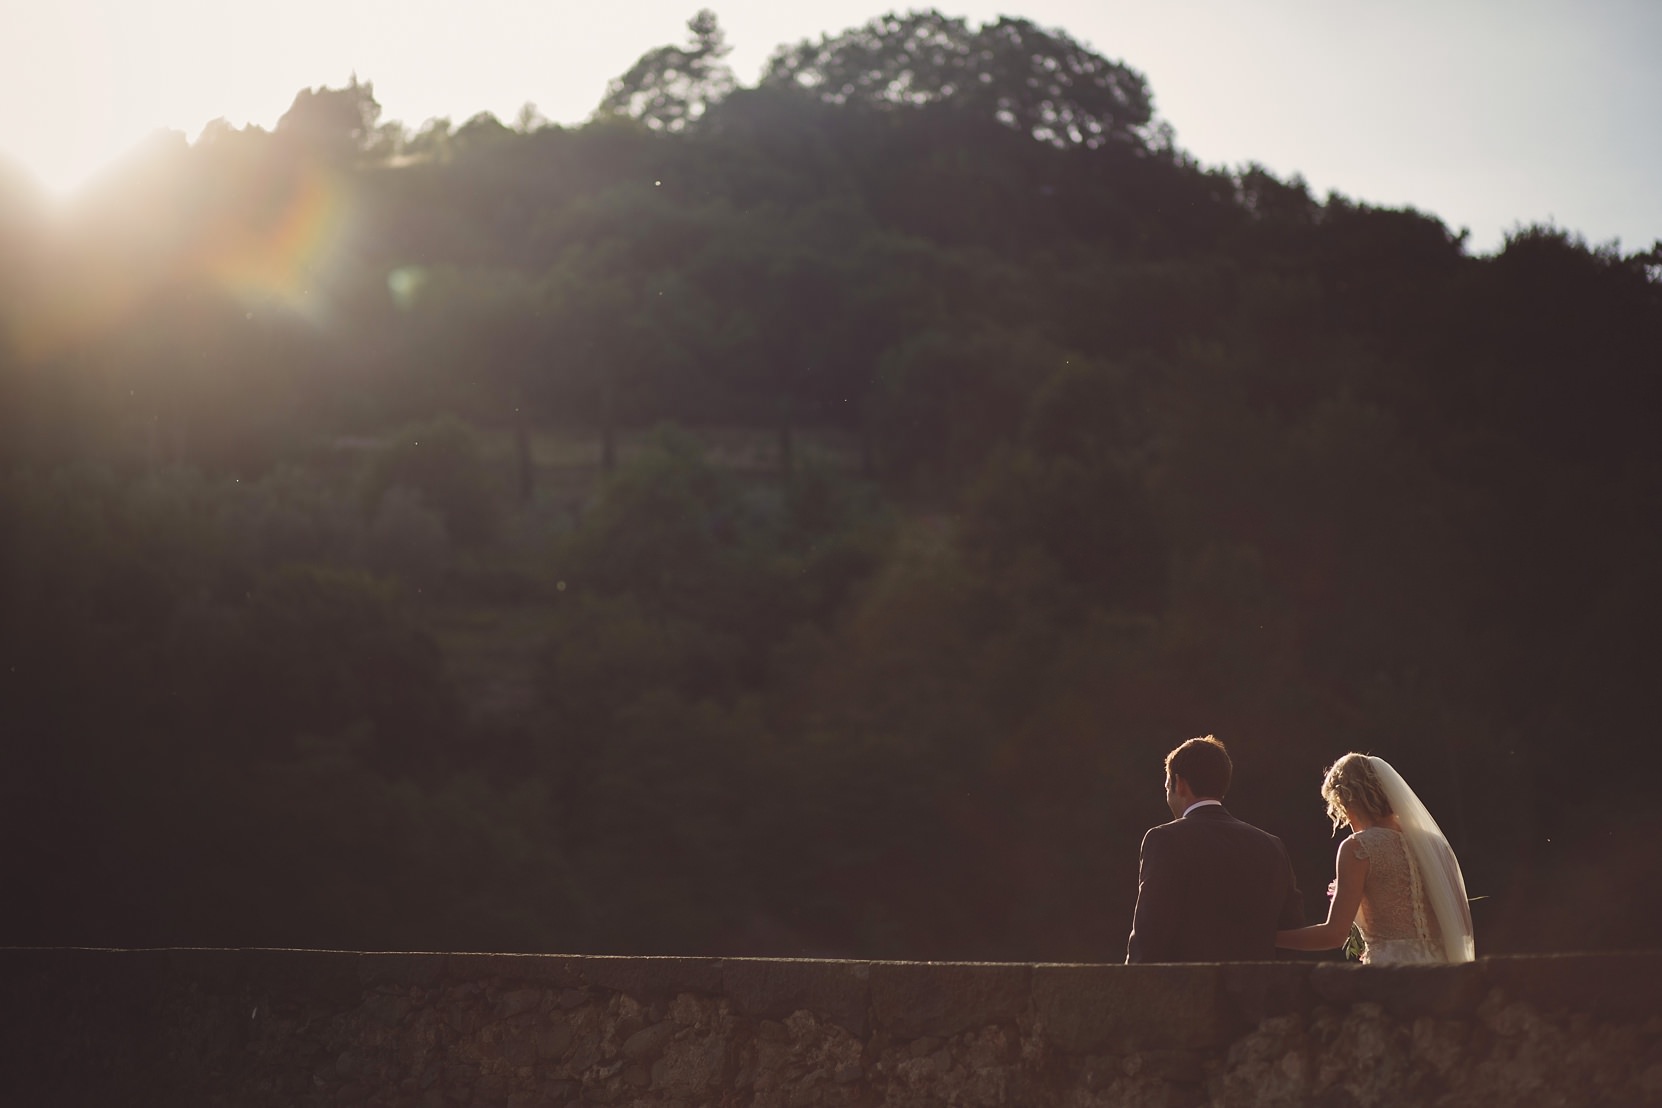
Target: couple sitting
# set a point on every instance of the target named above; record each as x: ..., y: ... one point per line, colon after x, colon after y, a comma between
x: 1214, y: 889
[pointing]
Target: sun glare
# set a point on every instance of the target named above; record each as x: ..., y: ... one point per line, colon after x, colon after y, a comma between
x: 61, y: 171
x: 60, y: 107
x: 87, y: 81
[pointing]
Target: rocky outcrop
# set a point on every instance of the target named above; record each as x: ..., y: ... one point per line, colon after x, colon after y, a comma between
x: 270, y: 1027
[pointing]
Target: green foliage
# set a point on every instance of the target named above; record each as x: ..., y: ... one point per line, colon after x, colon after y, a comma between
x: 1090, y: 518
x: 1088, y: 410
x: 291, y: 516
x: 1040, y: 82
x: 671, y: 87
x: 405, y: 538
x: 667, y: 529
x: 333, y: 124
x: 604, y: 653
x: 441, y: 461
x: 949, y: 399
x: 323, y: 649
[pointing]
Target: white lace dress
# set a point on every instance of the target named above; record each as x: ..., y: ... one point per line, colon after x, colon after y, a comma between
x: 1396, y: 921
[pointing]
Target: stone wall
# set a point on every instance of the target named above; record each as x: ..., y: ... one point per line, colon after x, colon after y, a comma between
x: 286, y: 1028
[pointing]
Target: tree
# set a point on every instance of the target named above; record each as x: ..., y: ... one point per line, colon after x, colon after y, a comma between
x: 600, y: 316
x: 491, y: 320
x: 670, y: 87
x: 432, y: 140
x: 619, y: 305
x: 440, y: 460
x: 482, y: 127
x: 335, y: 124
x: 314, y: 650
x: 1040, y: 82
x: 945, y: 398
x: 1046, y: 84
x: 783, y: 288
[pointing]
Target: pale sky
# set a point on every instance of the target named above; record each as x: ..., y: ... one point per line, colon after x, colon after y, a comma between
x: 1487, y: 113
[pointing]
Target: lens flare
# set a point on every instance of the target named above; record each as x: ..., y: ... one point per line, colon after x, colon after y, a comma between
x: 266, y: 229
x: 405, y: 284
x: 281, y: 246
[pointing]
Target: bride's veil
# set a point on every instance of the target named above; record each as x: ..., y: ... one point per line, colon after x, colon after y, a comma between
x: 1445, y: 888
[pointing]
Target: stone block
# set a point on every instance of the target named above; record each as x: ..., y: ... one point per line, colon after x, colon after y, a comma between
x: 553, y: 1037
x: 1179, y: 1067
x: 517, y: 1002
x: 334, y: 978
x: 1606, y: 986
x: 561, y: 1092
x: 910, y: 1000
x: 83, y: 973
x: 652, y: 978
x: 400, y: 969
x: 386, y: 1009
x: 1085, y: 1009
x: 647, y: 1042
x: 557, y: 971
x: 215, y: 971
x: 769, y: 988
x: 1406, y: 992
x: 1255, y: 991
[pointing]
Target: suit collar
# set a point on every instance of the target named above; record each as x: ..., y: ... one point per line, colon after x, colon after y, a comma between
x: 1208, y: 811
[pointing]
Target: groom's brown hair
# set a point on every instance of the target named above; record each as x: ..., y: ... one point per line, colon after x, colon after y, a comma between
x: 1204, y: 764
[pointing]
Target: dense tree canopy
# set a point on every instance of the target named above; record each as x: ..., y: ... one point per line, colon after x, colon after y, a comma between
x: 670, y: 87
x: 349, y: 598
x: 1040, y: 82
x: 335, y: 123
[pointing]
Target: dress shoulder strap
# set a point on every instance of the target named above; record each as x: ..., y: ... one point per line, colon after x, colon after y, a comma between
x: 1364, y: 840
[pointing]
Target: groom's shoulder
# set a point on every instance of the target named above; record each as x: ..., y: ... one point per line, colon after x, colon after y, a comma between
x: 1267, y: 837
x: 1166, y: 833
x: 1251, y: 827
x: 1207, y: 821
x: 1178, y: 830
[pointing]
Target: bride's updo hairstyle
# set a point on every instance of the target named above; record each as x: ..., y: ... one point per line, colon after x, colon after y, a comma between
x: 1351, y: 783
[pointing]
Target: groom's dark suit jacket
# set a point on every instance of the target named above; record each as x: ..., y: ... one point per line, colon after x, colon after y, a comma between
x: 1212, y: 889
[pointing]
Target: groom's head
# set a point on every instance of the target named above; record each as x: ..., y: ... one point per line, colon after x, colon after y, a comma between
x: 1199, y: 769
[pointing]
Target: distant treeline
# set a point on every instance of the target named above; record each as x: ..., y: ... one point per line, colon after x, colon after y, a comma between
x: 314, y: 634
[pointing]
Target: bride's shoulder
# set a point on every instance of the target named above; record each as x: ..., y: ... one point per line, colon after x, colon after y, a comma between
x: 1373, y: 836
x: 1356, y: 843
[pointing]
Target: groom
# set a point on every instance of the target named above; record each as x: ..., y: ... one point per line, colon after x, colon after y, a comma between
x: 1211, y: 888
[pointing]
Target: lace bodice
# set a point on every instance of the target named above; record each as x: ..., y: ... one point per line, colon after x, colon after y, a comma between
x: 1395, y: 916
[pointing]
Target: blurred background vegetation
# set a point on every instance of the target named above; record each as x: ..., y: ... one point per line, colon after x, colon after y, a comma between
x: 797, y: 520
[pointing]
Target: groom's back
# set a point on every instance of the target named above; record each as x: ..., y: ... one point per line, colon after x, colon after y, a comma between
x: 1212, y: 889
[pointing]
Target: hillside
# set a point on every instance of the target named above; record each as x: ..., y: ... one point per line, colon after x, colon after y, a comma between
x: 798, y: 519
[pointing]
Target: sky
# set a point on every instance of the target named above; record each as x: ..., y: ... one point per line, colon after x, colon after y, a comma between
x: 1489, y: 114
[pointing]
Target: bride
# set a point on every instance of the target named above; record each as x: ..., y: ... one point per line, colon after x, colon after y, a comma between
x: 1397, y: 878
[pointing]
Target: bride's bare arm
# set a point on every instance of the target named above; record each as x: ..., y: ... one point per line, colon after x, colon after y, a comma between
x: 1351, y: 875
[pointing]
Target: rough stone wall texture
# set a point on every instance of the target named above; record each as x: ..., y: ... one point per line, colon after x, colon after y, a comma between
x: 274, y: 1028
